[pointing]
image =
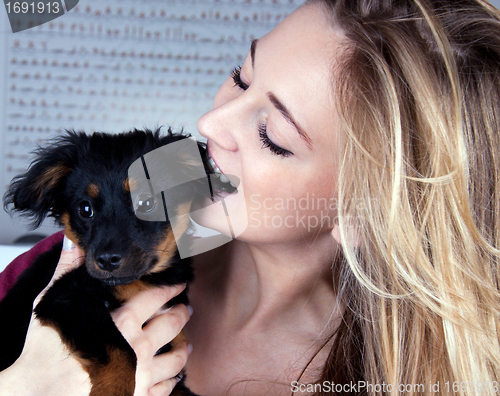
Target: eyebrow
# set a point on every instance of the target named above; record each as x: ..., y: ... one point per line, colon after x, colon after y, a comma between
x: 280, y: 106
x: 283, y: 110
x: 252, y: 50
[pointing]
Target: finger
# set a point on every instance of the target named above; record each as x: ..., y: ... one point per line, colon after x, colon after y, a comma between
x: 163, y: 388
x: 165, y: 327
x: 170, y: 364
x: 71, y: 258
x: 136, y: 311
x: 162, y: 310
x: 152, y: 370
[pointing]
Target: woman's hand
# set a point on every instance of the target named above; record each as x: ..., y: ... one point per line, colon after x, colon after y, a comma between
x: 46, y: 367
x: 155, y: 375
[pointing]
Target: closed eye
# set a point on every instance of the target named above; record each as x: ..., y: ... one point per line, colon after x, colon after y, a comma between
x: 268, y: 143
x: 236, y: 76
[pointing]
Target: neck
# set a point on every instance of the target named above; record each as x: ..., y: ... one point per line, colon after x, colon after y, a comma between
x: 266, y: 284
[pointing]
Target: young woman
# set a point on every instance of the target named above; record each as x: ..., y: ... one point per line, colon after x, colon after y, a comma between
x: 366, y: 135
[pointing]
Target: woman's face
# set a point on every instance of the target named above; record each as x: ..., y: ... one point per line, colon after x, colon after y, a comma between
x: 273, y: 127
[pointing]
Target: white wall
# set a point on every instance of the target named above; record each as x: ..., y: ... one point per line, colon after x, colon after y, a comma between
x: 66, y: 75
x: 105, y: 67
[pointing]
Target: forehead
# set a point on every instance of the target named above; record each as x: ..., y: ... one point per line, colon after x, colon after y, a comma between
x: 297, y: 57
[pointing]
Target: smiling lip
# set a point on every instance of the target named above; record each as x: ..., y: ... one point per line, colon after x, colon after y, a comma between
x: 212, y: 158
x: 217, y: 171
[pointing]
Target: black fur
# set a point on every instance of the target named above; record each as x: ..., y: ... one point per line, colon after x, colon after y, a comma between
x: 78, y: 304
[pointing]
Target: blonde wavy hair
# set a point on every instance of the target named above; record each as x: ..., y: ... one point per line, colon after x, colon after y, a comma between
x: 419, y: 102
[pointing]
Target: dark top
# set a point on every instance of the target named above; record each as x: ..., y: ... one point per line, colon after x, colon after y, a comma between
x: 13, y: 270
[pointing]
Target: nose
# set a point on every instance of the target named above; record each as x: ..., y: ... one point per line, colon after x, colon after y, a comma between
x: 108, y: 261
x: 226, y: 118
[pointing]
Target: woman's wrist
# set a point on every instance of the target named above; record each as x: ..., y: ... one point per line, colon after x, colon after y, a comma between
x: 45, y: 368
x: 15, y: 382
x: 27, y: 379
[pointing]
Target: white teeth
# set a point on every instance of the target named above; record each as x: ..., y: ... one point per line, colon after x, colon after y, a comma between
x: 217, y: 173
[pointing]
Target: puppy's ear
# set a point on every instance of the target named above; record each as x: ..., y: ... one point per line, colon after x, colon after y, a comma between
x: 40, y: 191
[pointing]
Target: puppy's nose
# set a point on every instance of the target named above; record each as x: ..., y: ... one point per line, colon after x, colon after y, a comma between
x: 108, y: 261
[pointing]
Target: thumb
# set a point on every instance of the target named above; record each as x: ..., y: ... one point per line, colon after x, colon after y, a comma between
x: 71, y: 257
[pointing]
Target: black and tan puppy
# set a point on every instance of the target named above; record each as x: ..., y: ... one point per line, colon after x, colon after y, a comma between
x: 82, y: 181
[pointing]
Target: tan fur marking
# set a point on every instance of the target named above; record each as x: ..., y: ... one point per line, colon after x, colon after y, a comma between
x: 167, y: 247
x: 189, y: 162
x: 93, y: 190
x: 126, y: 292
x: 68, y: 231
x: 179, y: 341
x: 49, y: 179
x: 183, y: 213
x: 165, y: 250
x: 187, y: 159
x: 130, y: 184
x: 115, y: 378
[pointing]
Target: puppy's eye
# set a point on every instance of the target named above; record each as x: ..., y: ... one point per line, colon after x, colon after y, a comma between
x: 86, y: 210
x: 145, y: 203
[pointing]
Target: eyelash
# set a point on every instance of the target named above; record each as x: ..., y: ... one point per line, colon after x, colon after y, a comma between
x: 266, y: 142
x: 236, y: 76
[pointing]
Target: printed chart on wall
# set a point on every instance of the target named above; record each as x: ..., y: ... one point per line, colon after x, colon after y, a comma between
x: 116, y: 65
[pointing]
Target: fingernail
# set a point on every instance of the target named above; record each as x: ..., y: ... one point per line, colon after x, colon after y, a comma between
x: 190, y: 309
x: 179, y: 376
x: 68, y: 244
x: 190, y: 348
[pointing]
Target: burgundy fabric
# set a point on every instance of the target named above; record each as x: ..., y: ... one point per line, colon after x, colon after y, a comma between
x: 13, y: 270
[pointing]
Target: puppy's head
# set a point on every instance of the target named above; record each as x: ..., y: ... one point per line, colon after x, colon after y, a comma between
x: 82, y: 182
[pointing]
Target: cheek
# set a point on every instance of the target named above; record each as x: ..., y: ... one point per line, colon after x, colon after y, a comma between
x: 291, y: 200
x: 267, y: 176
